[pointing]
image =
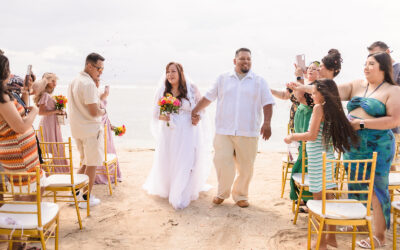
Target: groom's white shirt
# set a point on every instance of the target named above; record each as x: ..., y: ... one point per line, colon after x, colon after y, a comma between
x: 239, y: 103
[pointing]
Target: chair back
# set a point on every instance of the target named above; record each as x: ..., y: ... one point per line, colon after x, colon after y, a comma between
x: 16, y: 185
x: 396, y: 158
x: 304, y: 161
x: 349, y: 172
x: 58, y: 151
x: 105, y: 142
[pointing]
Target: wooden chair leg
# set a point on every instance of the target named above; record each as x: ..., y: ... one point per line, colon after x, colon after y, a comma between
x: 115, y: 174
x: 394, y: 230
x: 371, y: 236
x: 78, y: 213
x: 309, y: 232
x: 108, y: 178
x: 57, y: 233
x: 42, y: 240
x: 283, y: 180
x: 320, y: 229
x: 353, y: 240
x: 88, y: 203
x: 298, y: 205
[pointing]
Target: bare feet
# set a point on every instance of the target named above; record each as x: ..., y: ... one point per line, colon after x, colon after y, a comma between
x: 217, y: 200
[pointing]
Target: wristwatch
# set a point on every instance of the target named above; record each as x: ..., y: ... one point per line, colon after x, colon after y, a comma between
x: 362, y: 124
x: 299, y: 78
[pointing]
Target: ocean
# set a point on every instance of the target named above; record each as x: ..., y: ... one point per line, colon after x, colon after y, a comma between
x: 132, y: 106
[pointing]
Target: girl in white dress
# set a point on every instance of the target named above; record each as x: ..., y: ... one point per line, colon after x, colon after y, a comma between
x: 182, y: 156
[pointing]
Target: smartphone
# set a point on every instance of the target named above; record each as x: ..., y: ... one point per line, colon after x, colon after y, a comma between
x: 28, y: 75
x: 301, y: 61
x: 107, y: 89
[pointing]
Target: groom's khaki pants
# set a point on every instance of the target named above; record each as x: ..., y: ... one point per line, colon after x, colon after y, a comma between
x: 234, y: 154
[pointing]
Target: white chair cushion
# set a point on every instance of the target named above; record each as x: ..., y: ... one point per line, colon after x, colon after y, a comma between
x: 111, y: 157
x: 297, y: 178
x: 26, y: 221
x: 64, y: 180
x: 338, y: 210
x: 396, y: 205
x: 394, y: 179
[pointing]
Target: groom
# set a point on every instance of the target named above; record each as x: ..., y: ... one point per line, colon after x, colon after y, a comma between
x: 242, y: 95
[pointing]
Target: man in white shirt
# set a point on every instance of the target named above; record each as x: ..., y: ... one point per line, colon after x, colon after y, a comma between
x: 241, y: 97
x: 85, y: 120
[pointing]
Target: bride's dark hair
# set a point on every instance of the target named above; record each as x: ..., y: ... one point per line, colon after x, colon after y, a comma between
x: 336, y: 125
x: 182, y: 82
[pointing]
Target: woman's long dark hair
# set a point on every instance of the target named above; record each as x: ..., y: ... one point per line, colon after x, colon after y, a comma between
x: 182, y: 82
x: 385, y: 64
x: 336, y: 127
x: 4, y: 73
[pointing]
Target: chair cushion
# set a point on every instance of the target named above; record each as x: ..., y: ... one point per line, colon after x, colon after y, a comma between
x: 63, y: 180
x: 111, y: 157
x: 297, y: 178
x: 285, y: 159
x: 339, y: 210
x: 26, y: 221
x: 394, y: 179
x: 396, y: 205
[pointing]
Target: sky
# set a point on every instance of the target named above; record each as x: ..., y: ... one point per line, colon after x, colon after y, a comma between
x: 138, y: 38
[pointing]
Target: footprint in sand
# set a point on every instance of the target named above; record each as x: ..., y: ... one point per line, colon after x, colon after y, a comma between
x: 289, y: 238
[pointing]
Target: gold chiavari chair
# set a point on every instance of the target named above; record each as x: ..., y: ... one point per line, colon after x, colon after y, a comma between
x: 302, y: 183
x: 67, y: 183
x: 45, y: 151
x: 26, y: 221
x: 394, y: 174
x: 287, y: 165
x: 396, y: 222
x: 343, y: 212
x: 110, y: 164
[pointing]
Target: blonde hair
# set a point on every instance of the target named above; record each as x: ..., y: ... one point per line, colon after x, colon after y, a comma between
x: 46, y: 78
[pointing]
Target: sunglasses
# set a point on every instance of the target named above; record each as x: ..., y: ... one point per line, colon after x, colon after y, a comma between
x: 100, y: 69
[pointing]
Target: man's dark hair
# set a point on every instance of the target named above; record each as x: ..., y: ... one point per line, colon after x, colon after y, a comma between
x: 93, y: 58
x: 379, y: 44
x: 242, y: 49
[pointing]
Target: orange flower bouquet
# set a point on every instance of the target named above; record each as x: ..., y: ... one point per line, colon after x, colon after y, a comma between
x: 61, y: 104
x: 168, y: 105
x: 119, y: 131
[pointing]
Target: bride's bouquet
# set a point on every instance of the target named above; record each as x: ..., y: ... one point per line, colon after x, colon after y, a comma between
x: 169, y: 104
x: 119, y: 131
x: 61, y: 103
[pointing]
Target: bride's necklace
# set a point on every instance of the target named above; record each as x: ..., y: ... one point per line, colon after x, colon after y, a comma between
x: 373, y: 90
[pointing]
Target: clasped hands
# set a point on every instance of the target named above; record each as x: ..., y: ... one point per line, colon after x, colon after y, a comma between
x: 195, y: 118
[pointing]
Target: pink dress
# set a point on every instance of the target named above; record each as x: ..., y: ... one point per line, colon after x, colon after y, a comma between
x: 102, y: 179
x: 52, y: 132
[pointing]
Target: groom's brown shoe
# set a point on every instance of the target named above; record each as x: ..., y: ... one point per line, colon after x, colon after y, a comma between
x: 242, y: 203
x: 217, y: 200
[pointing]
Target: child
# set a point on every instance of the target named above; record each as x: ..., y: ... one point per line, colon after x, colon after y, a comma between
x: 328, y: 124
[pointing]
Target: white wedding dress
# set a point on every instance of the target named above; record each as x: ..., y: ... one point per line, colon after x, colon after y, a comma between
x: 182, y: 156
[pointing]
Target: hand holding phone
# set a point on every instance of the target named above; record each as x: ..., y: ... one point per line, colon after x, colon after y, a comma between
x: 28, y: 75
x: 301, y: 61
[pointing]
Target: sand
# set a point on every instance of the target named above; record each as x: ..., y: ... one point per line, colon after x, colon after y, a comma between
x: 131, y: 219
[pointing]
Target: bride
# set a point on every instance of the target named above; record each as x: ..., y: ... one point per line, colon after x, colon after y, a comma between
x: 182, y: 156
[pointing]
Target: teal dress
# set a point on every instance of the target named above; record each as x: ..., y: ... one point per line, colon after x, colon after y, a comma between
x: 372, y: 140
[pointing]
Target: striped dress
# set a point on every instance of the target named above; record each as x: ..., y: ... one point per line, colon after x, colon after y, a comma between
x: 18, y: 152
x: 314, y: 151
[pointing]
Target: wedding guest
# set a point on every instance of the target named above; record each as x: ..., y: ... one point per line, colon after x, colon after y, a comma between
x: 328, y: 123
x: 301, y: 123
x: 102, y: 179
x: 50, y: 126
x: 18, y: 150
x: 379, y: 46
x: 373, y: 111
x: 242, y: 97
x: 85, y: 120
x: 181, y: 168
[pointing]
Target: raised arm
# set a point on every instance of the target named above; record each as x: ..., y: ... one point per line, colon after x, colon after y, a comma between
x: 313, y: 130
x: 17, y: 123
x: 281, y: 94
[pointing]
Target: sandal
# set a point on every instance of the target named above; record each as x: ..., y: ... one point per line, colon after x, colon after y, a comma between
x: 366, y: 244
x: 302, y: 211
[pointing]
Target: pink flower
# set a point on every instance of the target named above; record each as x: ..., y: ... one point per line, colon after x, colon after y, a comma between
x: 176, y: 102
x: 163, y: 102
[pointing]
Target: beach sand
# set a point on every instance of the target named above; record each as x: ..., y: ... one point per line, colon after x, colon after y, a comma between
x: 131, y: 219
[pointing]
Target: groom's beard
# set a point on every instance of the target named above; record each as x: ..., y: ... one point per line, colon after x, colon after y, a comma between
x: 244, y: 71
